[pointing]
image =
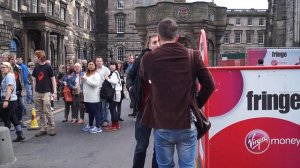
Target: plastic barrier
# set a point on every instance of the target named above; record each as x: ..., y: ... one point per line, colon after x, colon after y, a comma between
x: 255, y: 115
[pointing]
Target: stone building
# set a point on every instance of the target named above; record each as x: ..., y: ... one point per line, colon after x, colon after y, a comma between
x: 116, y: 35
x: 245, y: 28
x: 283, y: 26
x: 63, y: 28
x: 191, y: 18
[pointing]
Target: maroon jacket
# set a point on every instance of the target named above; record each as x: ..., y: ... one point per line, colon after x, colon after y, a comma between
x: 168, y: 69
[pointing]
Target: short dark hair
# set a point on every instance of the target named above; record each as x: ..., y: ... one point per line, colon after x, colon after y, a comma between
x: 167, y: 29
x: 114, y: 63
x: 260, y: 61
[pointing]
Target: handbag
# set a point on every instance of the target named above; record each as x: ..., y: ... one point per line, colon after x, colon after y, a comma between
x: 67, y: 94
x: 202, y: 123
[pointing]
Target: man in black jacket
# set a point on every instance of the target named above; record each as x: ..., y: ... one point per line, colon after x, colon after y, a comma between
x: 140, y: 91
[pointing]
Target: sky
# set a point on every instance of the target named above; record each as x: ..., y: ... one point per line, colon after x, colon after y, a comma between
x: 239, y: 4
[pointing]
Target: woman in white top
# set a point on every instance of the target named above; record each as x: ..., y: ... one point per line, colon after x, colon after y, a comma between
x: 9, y: 99
x: 115, y: 80
x: 91, y: 97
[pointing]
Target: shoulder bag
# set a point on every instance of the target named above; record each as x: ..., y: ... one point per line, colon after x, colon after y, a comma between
x: 202, y: 123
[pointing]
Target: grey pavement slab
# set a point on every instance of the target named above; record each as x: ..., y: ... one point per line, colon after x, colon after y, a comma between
x: 73, y: 148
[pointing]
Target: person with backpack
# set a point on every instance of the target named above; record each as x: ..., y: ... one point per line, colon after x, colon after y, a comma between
x: 140, y: 91
x: 115, y: 80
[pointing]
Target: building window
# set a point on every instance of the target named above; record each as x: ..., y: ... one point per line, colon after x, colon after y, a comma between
x: 261, y: 38
x: 120, y: 24
x: 238, y: 21
x: 226, y: 38
x: 77, y: 15
x: 249, y: 37
x: 62, y: 12
x: 15, y: 5
x: 77, y: 51
x: 121, y: 53
x: 250, y: 21
x: 34, y: 6
x: 91, y: 22
x: 261, y: 21
x: 238, y: 37
x: 50, y: 7
x: 120, y: 4
x: 85, y: 20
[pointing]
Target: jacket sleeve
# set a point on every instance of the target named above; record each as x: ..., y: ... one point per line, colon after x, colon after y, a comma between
x: 113, y: 79
x: 205, y: 79
x: 71, y: 82
x: 132, y: 73
x: 130, y: 79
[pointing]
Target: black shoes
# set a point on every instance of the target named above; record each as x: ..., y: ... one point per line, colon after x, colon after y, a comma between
x: 132, y: 115
x: 120, y: 119
x: 19, y: 138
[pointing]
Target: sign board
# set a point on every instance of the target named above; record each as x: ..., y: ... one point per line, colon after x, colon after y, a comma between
x: 255, y: 115
x: 273, y: 56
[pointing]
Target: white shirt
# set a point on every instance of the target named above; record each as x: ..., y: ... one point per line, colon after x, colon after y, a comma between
x: 91, y: 91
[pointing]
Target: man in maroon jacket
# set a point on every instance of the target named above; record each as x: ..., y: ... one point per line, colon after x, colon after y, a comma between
x: 168, y: 70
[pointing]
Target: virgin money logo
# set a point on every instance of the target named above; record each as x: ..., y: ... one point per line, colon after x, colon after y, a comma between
x: 257, y: 141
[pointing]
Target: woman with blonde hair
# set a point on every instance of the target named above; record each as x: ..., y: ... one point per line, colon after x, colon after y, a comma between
x: 9, y: 99
x: 91, y: 97
x: 76, y: 85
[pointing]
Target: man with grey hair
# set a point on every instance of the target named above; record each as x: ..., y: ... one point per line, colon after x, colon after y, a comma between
x: 168, y: 108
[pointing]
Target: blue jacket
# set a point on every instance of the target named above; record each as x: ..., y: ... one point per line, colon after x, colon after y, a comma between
x: 24, y: 73
x: 72, y: 81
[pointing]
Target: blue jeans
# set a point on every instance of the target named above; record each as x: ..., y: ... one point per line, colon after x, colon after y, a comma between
x: 29, y: 98
x: 104, y: 116
x: 185, y: 141
x: 142, y: 136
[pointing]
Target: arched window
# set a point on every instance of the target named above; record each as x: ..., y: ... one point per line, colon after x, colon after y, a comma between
x: 121, y: 53
x: 52, y: 56
x: 84, y: 51
x: 77, y: 51
x: 13, y: 46
x: 91, y: 55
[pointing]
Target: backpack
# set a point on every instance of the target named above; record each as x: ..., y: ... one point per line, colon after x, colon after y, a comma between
x: 107, y: 92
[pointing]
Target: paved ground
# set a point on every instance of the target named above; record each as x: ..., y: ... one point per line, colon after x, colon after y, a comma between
x: 73, y: 148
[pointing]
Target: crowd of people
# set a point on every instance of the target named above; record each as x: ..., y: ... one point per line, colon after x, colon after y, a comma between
x: 160, y: 82
x: 38, y: 83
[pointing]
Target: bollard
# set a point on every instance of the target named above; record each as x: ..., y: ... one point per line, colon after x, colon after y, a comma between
x: 7, y: 156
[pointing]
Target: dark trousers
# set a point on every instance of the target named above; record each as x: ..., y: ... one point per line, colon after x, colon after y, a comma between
x: 92, y: 109
x: 19, y: 107
x: 119, y: 108
x: 77, y: 106
x: 68, y: 106
x: 8, y: 115
x: 113, y: 111
x: 142, y: 136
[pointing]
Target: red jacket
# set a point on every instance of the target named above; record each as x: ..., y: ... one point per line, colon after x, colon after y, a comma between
x: 168, y: 69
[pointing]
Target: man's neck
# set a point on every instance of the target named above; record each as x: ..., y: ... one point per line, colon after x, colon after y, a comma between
x: 42, y: 63
x: 162, y: 42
